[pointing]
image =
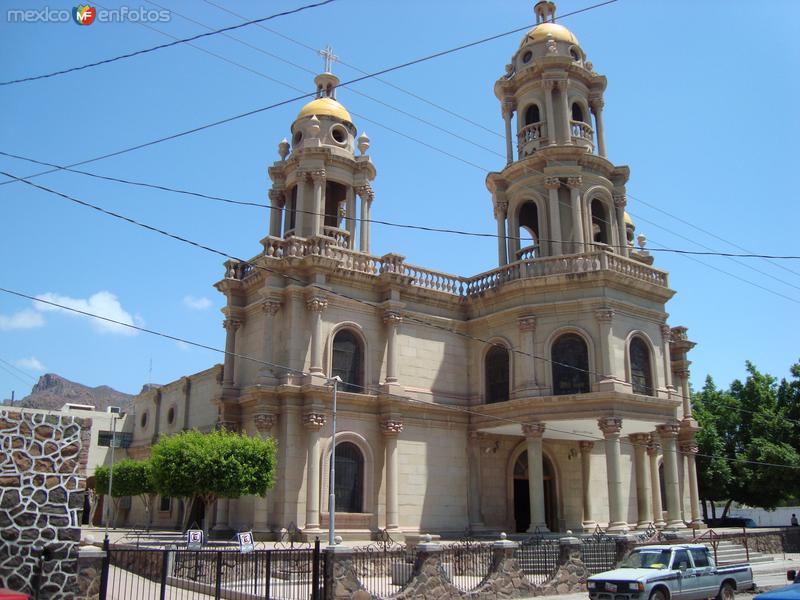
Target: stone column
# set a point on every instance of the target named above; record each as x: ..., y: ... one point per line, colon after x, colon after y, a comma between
x: 313, y: 423
x: 186, y: 390
x: 596, y: 105
x: 392, y: 320
x: 527, y: 368
x: 548, y: 85
x: 668, y: 434
x: 611, y: 427
x: 474, y: 495
x: 689, y: 450
x: 563, y: 84
x: 318, y: 218
x: 533, y: 434
x: 302, y: 207
x: 157, y: 416
x: 666, y: 335
x: 552, y: 184
x: 686, y: 398
x: 350, y: 203
x: 223, y: 513
x: 270, y: 307
x: 622, y: 243
x: 231, y: 325
x: 500, y: 211
x: 644, y: 510
x: 605, y: 318
x: 391, y: 429
x: 277, y: 202
x: 315, y: 305
x: 508, y: 111
x: 586, y: 474
x: 655, y: 482
x: 366, y: 195
x: 574, y: 184
x: 263, y: 423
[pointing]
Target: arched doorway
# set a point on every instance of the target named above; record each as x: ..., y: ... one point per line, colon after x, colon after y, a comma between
x: 522, y: 499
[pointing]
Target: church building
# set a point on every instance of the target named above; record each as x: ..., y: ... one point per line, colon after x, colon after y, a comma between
x: 547, y: 394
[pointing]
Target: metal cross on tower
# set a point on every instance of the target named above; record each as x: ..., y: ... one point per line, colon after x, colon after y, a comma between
x: 329, y: 57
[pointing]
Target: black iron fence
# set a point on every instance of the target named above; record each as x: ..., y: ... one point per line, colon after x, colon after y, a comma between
x: 538, y: 558
x: 177, y: 574
x: 467, y: 563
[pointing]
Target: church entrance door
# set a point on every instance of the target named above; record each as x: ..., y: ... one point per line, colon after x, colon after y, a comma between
x: 522, y: 503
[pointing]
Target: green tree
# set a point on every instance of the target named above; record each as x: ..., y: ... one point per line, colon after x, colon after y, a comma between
x: 749, y: 427
x: 208, y: 466
x: 135, y: 478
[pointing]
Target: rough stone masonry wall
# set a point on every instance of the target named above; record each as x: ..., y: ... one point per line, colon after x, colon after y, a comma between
x: 42, y: 481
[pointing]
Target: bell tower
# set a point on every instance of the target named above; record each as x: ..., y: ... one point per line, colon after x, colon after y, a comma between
x: 558, y: 193
x: 319, y: 175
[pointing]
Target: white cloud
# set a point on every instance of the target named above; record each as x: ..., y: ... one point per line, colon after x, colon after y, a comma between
x: 32, y: 364
x: 183, y: 346
x: 24, y: 319
x: 197, y: 303
x: 103, y: 304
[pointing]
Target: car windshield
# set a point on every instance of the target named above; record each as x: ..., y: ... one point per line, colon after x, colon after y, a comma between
x: 647, y: 559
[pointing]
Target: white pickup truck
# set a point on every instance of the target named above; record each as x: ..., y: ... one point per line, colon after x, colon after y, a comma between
x: 674, y: 572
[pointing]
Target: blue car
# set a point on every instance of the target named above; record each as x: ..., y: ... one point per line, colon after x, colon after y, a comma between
x: 790, y: 592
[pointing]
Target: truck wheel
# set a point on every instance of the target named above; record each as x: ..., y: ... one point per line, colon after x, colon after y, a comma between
x: 726, y: 592
x: 658, y: 595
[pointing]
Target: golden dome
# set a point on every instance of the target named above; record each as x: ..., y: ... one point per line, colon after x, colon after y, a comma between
x: 628, y: 220
x: 558, y: 32
x: 327, y: 107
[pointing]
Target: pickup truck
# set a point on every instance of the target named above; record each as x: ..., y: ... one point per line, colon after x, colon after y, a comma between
x: 673, y: 572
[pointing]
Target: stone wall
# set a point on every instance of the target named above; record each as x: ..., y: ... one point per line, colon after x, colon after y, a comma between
x: 42, y: 482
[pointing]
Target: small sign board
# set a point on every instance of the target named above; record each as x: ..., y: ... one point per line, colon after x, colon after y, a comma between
x: 245, y: 541
x: 194, y: 539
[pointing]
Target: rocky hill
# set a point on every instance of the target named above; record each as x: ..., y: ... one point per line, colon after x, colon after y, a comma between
x: 53, y: 391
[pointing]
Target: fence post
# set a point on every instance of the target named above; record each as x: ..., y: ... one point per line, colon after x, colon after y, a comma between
x: 164, y: 569
x: 104, y: 571
x: 315, y: 572
x: 218, y: 585
x: 268, y: 573
x: 746, y: 544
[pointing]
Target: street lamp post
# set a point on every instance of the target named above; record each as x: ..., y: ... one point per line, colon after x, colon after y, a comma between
x: 114, y: 411
x: 332, y: 479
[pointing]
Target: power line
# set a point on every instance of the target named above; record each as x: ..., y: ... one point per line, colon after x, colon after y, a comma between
x: 168, y: 45
x: 301, y: 97
x: 376, y: 221
x: 16, y: 368
x: 409, y: 399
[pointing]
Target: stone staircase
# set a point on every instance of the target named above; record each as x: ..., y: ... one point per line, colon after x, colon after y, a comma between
x: 730, y: 553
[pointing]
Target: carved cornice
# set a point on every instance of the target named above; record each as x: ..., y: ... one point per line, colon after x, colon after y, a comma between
x: 365, y: 192
x: 527, y: 323
x: 639, y: 439
x: 314, y: 421
x: 277, y: 196
x: 596, y: 104
x: 620, y: 201
x: 392, y: 318
x: 500, y: 208
x: 552, y: 183
x: 574, y: 182
x: 231, y: 324
x: 604, y: 315
x: 666, y: 333
x: 533, y: 430
x: 653, y: 447
x: 585, y: 447
x: 667, y: 431
x: 610, y: 425
x: 271, y: 307
x: 317, y: 176
x: 689, y: 447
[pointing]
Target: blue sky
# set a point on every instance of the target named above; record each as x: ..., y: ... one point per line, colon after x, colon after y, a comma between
x: 700, y: 104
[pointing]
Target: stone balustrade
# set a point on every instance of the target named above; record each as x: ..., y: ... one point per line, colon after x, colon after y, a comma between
x: 341, y: 236
x: 530, y: 137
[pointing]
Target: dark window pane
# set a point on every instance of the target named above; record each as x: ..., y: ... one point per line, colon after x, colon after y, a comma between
x: 570, y: 358
x: 497, y: 378
x: 641, y: 377
x: 348, y: 359
x: 349, y: 480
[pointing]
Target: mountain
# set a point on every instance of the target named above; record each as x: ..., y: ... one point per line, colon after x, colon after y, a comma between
x: 53, y: 391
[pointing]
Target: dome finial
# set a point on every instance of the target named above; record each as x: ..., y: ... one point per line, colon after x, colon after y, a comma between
x: 327, y: 54
x: 545, y: 11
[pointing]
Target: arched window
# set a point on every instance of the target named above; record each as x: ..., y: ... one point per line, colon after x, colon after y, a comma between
x: 641, y: 375
x: 577, y: 112
x: 600, y: 224
x: 529, y: 223
x: 348, y: 486
x: 532, y: 115
x: 570, y: 360
x: 348, y: 361
x: 497, y: 378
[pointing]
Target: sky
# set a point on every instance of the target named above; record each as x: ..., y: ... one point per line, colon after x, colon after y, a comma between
x: 697, y: 105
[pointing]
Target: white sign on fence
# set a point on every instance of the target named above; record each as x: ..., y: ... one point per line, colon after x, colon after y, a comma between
x: 245, y: 541
x: 194, y: 539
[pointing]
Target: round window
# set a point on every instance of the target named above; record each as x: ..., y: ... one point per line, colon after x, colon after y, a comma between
x: 143, y: 420
x: 339, y: 134
x: 297, y: 138
x: 171, y: 415
x: 526, y: 58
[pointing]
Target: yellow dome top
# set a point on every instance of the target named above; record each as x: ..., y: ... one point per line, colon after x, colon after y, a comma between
x: 558, y: 32
x: 327, y: 107
x: 628, y: 220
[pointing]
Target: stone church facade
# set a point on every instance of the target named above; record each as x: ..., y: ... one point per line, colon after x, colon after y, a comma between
x: 548, y: 394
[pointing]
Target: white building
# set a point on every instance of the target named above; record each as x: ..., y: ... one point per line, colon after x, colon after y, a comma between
x: 545, y: 394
